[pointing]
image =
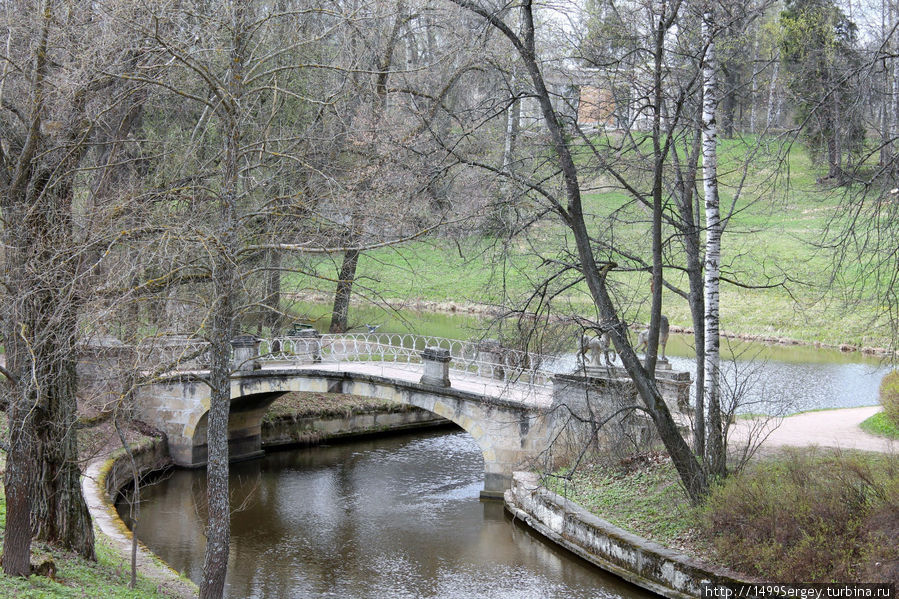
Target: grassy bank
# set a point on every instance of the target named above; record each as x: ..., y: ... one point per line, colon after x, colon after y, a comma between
x: 76, y: 577
x: 772, y: 248
x: 880, y: 425
x: 798, y: 516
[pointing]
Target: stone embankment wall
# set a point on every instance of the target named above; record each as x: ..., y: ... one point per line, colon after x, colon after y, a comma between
x: 309, y: 430
x: 635, y: 559
x: 149, y: 456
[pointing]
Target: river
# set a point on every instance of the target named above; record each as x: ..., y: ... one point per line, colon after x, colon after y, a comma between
x: 392, y: 517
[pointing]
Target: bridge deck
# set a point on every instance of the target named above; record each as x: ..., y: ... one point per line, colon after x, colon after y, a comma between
x: 529, y: 395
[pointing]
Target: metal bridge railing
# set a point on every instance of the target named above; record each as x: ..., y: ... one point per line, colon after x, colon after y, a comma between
x: 479, y: 359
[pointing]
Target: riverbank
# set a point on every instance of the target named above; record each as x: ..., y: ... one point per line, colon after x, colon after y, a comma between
x: 824, y: 493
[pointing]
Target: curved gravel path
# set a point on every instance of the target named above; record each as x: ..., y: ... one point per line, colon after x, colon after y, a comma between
x: 827, y: 428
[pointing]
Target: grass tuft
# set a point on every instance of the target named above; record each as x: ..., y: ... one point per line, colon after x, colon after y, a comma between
x: 880, y: 425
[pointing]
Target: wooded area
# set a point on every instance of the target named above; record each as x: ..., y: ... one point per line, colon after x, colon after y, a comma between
x: 169, y: 166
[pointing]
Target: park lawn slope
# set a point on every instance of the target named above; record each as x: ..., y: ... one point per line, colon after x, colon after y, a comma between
x: 773, y: 247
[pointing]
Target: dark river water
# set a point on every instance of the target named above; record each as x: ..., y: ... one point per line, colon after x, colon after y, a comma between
x: 395, y: 517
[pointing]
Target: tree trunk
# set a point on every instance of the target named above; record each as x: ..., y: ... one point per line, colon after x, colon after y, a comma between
x: 41, y: 346
x: 728, y: 105
x: 511, y: 131
x: 754, y: 88
x: 773, y: 117
x: 224, y: 285
x: 19, y: 474
x: 17, y: 484
x: 716, y: 459
x: 340, y: 312
x: 885, y: 144
x: 272, y: 299
x: 218, y: 528
x: 691, y: 233
x: 893, y: 117
x: 61, y: 516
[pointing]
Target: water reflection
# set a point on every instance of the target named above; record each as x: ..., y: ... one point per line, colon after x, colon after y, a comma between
x: 393, y: 517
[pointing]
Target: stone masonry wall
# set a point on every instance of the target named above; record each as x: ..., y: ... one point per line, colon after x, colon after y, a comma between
x: 635, y: 559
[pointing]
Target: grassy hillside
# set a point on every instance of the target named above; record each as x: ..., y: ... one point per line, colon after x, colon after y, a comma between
x: 787, y: 285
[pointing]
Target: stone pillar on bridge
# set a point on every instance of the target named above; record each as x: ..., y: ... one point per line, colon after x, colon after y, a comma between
x: 307, y: 343
x: 436, y: 367
x: 246, y: 350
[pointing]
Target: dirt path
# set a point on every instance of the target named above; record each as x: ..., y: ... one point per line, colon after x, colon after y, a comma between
x: 828, y: 428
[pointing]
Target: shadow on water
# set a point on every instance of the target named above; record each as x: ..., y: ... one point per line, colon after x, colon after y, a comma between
x: 391, y: 517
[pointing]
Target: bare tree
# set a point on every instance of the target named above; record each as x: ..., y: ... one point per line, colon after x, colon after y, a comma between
x: 56, y: 86
x: 570, y: 211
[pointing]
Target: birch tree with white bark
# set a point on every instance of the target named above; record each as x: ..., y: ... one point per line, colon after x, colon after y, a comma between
x: 715, y: 451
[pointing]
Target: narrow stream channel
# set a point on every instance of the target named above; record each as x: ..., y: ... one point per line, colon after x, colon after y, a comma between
x: 394, y: 517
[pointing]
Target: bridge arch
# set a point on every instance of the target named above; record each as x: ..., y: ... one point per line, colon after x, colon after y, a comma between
x: 507, y: 432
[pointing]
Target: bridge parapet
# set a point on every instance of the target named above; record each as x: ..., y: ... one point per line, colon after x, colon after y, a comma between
x: 466, y: 357
x: 600, y: 408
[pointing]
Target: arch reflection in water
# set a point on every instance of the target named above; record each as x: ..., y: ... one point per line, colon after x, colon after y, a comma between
x: 390, y: 517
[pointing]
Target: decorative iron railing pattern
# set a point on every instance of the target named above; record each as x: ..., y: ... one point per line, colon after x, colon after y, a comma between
x: 485, y: 359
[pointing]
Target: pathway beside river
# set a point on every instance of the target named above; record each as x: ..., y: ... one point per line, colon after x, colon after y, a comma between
x: 827, y: 428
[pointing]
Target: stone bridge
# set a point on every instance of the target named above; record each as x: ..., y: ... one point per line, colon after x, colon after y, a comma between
x: 502, y: 398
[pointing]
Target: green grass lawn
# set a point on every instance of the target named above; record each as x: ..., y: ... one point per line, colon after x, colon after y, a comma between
x: 645, y: 498
x: 880, y: 425
x: 770, y: 244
